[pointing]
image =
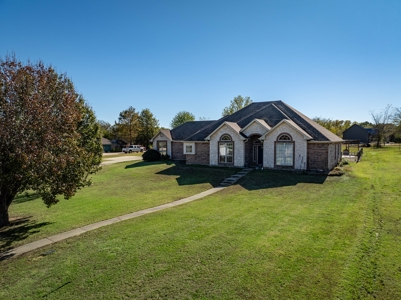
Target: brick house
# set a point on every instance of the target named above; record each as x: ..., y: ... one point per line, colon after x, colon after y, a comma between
x: 269, y: 134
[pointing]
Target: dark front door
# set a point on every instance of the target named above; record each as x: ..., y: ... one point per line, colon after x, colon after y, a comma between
x: 260, y: 154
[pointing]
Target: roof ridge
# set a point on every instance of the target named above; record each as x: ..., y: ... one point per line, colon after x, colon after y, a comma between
x: 247, y: 116
x: 282, y: 111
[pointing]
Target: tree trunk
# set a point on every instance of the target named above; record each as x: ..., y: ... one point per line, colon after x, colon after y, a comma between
x: 4, y: 220
x: 379, y: 137
x: 6, y: 197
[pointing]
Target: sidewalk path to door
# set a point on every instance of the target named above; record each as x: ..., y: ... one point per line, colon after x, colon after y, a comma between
x: 75, y: 232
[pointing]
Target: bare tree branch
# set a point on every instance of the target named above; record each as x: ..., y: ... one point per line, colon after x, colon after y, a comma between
x: 381, y: 121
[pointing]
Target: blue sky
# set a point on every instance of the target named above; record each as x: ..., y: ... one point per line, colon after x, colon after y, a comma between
x: 332, y: 59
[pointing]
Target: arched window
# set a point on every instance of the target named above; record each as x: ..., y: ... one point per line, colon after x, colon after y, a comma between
x: 225, y: 137
x: 226, y: 149
x: 284, y: 137
x: 284, y: 150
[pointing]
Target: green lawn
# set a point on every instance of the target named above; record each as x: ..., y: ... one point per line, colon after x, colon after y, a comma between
x: 116, y: 190
x: 275, y: 235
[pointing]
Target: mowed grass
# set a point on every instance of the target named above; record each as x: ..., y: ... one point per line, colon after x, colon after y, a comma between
x: 275, y: 235
x: 116, y: 190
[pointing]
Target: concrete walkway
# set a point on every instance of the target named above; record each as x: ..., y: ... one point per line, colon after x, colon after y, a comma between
x: 75, y: 232
x: 234, y: 178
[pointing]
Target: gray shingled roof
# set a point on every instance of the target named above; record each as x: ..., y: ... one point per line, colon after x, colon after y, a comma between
x: 105, y: 141
x: 272, y: 112
x: 184, y: 131
x: 167, y: 133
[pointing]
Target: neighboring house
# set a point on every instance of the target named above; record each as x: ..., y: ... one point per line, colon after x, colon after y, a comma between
x: 358, y: 133
x: 106, y: 145
x: 270, y: 134
x: 117, y: 145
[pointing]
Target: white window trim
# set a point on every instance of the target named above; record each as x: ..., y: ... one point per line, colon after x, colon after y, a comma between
x: 189, y: 144
x: 284, y: 155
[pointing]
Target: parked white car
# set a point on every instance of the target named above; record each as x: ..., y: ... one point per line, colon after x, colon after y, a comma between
x: 134, y: 148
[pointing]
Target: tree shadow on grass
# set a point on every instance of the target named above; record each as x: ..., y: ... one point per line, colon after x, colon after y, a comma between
x: 266, y: 179
x: 18, y: 230
x: 198, y: 174
x: 25, y: 197
x: 195, y: 174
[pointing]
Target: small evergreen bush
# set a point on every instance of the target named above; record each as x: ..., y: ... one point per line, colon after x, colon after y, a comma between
x: 165, y: 157
x: 151, y: 155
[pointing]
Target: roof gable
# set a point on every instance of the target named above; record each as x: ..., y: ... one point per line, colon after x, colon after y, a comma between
x: 291, y: 123
x: 165, y: 132
x: 232, y: 125
x: 263, y: 126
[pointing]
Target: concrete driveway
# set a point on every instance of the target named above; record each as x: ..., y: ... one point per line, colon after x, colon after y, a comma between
x: 114, y: 160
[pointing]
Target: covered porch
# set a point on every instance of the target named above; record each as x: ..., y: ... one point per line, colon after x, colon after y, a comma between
x: 254, y: 151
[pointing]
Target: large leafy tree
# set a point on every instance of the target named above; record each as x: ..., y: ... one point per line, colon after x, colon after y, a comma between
x: 236, y: 104
x: 148, y: 127
x: 128, y: 125
x: 49, y: 136
x: 180, y: 118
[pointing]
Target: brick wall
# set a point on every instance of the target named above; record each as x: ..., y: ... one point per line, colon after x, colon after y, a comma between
x: 334, y: 155
x: 177, y: 151
x: 318, y: 156
x: 201, y: 156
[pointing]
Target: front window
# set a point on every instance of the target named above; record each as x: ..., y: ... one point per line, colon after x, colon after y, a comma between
x: 226, y: 150
x: 162, y: 147
x: 189, y: 148
x: 284, y: 151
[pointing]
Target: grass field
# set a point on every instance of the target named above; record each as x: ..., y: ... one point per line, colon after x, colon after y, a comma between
x: 275, y: 235
x: 116, y: 190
